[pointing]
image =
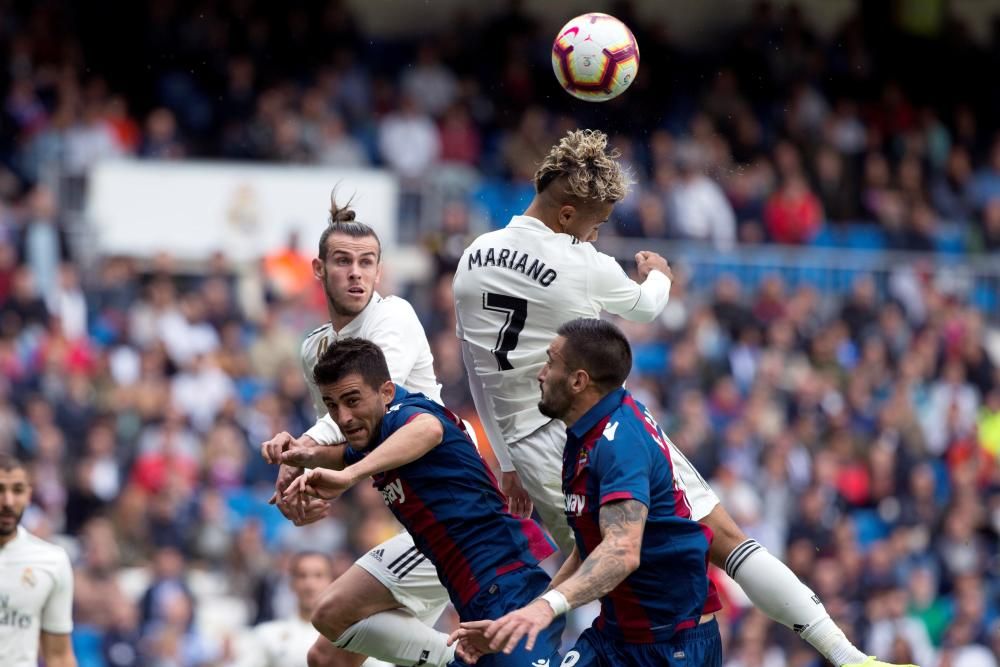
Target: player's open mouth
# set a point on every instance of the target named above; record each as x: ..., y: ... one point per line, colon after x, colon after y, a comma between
x: 356, y: 290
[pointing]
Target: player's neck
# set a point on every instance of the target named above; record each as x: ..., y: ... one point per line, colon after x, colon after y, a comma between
x: 580, y: 407
x: 340, y: 321
x: 538, y: 211
x: 7, y: 539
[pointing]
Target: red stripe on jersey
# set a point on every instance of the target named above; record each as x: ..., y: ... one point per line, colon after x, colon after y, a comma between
x: 681, y: 506
x: 509, y: 567
x: 617, y: 495
x: 633, y: 622
x: 445, y: 554
x: 713, y: 602
x: 539, y: 544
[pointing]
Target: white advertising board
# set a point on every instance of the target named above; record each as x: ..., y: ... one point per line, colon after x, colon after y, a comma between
x: 192, y: 209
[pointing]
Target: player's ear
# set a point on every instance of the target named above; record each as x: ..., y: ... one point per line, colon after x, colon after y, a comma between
x: 566, y: 214
x: 318, y: 268
x: 387, y: 391
x: 579, y: 380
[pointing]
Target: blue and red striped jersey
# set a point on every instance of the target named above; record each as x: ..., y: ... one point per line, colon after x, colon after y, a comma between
x: 450, y: 503
x: 617, y: 452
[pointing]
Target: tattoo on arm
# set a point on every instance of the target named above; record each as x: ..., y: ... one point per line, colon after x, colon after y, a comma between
x: 617, y: 556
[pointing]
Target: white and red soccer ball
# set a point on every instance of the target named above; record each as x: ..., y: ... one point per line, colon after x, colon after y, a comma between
x: 595, y: 57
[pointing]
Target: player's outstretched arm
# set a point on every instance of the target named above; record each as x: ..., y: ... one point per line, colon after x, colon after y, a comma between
x: 617, y: 556
x: 611, y: 288
x: 407, y: 444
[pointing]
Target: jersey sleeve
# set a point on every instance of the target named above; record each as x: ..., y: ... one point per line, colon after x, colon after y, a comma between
x: 485, y: 411
x: 394, y: 332
x: 622, y: 474
x: 57, y: 613
x: 612, y: 290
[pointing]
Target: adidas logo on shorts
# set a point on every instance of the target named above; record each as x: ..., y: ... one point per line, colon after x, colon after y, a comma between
x: 377, y: 554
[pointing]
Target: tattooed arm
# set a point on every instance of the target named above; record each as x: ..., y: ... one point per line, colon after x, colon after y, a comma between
x: 617, y: 556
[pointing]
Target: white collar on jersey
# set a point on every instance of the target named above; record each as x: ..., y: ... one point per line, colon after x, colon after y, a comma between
x: 19, y: 536
x: 355, y: 325
x: 528, y: 222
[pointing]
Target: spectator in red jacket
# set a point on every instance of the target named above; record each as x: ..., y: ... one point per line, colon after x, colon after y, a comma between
x: 793, y: 214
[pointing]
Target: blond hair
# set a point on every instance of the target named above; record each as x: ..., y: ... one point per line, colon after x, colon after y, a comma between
x: 591, y: 172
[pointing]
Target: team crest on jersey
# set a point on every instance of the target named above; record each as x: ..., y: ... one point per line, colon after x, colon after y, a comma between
x: 28, y: 578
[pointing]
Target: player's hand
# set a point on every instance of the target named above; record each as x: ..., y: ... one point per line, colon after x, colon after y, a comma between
x: 506, y: 632
x: 302, y: 513
x: 518, y: 500
x: 470, y: 642
x: 646, y: 261
x: 321, y: 483
x: 272, y: 449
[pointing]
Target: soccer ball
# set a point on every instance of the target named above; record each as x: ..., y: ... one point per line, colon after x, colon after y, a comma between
x: 595, y: 57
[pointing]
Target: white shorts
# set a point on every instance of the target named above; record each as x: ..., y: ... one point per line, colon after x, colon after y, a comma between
x: 538, y: 460
x: 409, y: 576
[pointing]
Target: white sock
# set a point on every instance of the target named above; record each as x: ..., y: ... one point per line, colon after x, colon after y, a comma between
x: 776, y: 591
x: 397, y: 637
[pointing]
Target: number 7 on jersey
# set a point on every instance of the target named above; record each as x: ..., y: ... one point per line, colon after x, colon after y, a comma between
x: 515, y: 312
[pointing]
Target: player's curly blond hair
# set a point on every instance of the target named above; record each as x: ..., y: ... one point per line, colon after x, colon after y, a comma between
x: 591, y: 171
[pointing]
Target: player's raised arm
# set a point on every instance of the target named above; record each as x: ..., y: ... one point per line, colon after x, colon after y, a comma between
x: 618, y: 294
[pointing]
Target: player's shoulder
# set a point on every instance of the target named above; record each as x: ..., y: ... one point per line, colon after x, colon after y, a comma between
x: 393, y: 305
x: 43, y: 550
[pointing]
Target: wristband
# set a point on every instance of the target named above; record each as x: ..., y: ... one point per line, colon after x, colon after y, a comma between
x: 556, y: 600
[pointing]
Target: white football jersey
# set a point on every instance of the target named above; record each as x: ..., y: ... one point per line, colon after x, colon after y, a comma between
x: 514, y: 288
x: 392, y: 324
x: 36, y: 594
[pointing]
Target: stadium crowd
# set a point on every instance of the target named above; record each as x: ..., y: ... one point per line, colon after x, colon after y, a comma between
x: 856, y: 435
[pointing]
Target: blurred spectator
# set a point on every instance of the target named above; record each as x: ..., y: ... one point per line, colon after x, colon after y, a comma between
x: 700, y: 207
x: 409, y: 140
x: 793, y: 214
x: 337, y: 147
x: 952, y: 191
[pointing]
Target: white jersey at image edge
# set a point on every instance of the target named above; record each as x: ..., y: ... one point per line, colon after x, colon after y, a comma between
x: 514, y: 288
x: 36, y: 594
x: 392, y: 324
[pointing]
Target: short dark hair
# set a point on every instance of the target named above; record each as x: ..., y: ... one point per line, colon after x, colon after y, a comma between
x: 342, y: 222
x: 10, y: 463
x: 598, y: 347
x: 352, y: 355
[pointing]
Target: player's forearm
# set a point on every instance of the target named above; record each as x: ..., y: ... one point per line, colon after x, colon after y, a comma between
x: 600, y: 573
x: 404, y: 446
x: 654, y: 293
x: 615, y: 558
x: 319, y: 456
x: 568, y: 569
